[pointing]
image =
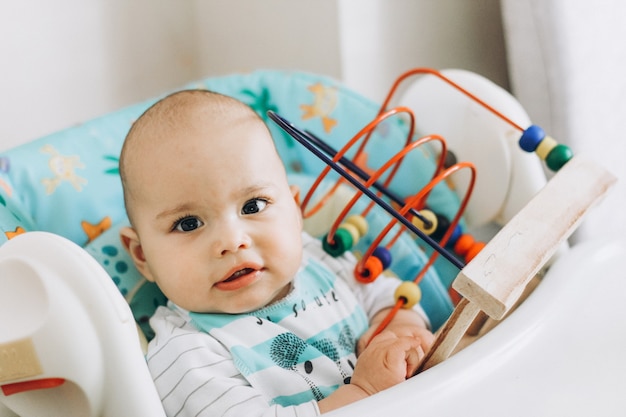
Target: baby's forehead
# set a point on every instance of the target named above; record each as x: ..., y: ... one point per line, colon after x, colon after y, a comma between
x: 179, y: 121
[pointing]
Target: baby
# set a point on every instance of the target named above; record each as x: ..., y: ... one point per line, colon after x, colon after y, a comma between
x: 260, y: 320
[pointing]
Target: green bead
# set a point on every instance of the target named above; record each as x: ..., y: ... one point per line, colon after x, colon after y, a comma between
x: 342, y: 242
x: 558, y: 157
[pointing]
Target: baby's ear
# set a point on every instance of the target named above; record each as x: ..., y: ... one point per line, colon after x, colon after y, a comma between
x: 295, y: 192
x: 130, y: 241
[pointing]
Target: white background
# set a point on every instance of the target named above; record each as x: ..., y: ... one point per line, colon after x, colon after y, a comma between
x: 66, y: 61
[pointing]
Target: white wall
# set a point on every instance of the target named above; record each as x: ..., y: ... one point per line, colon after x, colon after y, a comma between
x: 381, y: 39
x: 243, y: 35
x: 568, y: 61
x: 66, y: 61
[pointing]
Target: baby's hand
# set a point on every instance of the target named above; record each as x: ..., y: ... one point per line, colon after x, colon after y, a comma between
x: 423, y: 335
x: 388, y: 360
x: 401, y: 328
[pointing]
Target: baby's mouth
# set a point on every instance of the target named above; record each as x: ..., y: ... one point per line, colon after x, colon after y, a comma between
x: 238, y: 274
x: 240, y: 278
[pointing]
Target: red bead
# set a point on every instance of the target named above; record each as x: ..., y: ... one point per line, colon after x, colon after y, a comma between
x: 369, y: 271
x: 455, y: 297
x: 473, y: 251
x: 384, y: 255
x: 463, y: 244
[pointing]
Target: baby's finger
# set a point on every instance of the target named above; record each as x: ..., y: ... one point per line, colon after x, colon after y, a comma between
x: 413, y: 358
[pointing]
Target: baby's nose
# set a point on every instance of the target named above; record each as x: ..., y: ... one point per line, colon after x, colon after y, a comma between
x: 230, y: 238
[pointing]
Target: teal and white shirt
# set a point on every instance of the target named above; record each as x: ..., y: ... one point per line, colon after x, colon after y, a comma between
x: 279, y: 360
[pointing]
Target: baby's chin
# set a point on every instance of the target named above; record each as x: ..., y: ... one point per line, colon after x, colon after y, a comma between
x: 255, y: 305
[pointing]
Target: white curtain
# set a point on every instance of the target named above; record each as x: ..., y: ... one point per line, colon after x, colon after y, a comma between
x: 567, y: 66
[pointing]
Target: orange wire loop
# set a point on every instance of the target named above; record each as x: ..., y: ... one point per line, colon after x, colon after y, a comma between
x: 438, y: 74
x: 340, y: 154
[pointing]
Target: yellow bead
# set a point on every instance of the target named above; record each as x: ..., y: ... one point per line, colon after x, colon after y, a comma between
x: 428, y: 215
x: 352, y: 229
x: 410, y: 292
x: 359, y: 222
x: 545, y: 146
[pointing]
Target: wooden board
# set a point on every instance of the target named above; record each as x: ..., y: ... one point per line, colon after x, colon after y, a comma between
x: 494, y: 280
x: 496, y: 277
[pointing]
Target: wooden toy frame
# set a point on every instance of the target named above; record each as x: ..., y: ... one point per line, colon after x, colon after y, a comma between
x: 493, y: 281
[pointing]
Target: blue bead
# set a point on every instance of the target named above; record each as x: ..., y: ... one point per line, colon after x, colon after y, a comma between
x: 384, y: 255
x: 531, y: 138
x: 456, y: 234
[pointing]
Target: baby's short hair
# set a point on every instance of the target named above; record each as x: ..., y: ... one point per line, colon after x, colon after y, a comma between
x: 174, y: 111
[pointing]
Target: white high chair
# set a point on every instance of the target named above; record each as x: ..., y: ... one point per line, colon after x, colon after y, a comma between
x: 66, y: 332
x: 72, y: 347
x: 507, y: 176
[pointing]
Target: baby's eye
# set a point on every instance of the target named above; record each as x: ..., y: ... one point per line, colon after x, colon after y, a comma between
x: 187, y: 224
x: 254, y: 206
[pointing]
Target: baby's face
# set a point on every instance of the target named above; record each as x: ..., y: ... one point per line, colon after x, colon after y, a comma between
x: 218, y: 224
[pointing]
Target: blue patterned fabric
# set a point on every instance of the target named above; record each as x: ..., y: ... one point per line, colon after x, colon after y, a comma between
x: 68, y: 182
x: 276, y: 343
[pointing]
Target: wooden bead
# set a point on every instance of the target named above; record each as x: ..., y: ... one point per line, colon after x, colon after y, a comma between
x: 455, y: 297
x: 384, y: 255
x: 442, y: 225
x: 396, y: 206
x: 428, y: 215
x: 463, y: 244
x: 456, y: 233
x: 410, y: 292
x: 531, y: 138
x: 359, y: 222
x: 352, y: 229
x: 369, y: 271
x: 473, y: 250
x: 450, y: 159
x: 342, y: 242
x: 545, y: 147
x: 558, y: 157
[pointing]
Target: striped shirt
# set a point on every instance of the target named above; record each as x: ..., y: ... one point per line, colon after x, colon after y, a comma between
x: 277, y: 361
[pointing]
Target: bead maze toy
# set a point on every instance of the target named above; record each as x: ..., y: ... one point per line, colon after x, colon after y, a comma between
x: 68, y: 324
x: 503, y: 267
